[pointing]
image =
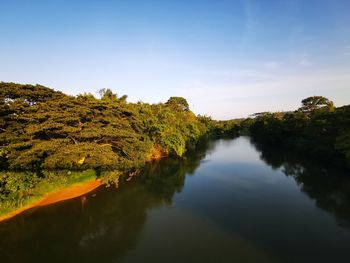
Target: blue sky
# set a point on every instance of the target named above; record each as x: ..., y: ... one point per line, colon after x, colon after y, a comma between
x: 228, y: 58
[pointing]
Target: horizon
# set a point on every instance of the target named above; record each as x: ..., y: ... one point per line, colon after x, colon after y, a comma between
x: 229, y: 59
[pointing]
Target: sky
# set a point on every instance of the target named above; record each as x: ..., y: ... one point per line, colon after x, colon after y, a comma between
x: 229, y: 59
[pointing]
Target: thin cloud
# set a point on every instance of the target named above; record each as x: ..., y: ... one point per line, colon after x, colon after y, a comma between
x: 346, y: 51
x: 305, y: 62
x: 240, y: 73
x: 272, y: 65
x: 250, y: 19
x: 283, y: 92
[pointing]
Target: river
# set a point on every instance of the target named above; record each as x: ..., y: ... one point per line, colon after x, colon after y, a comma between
x: 232, y: 200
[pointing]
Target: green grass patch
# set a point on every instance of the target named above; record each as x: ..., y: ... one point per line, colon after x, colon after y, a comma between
x: 20, y: 189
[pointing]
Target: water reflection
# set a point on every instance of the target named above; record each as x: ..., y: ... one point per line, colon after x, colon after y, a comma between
x: 327, y: 185
x: 100, y: 228
x: 165, y: 178
x: 221, y: 203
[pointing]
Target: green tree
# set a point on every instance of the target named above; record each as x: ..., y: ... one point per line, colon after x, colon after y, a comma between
x: 42, y: 129
x: 318, y: 129
x: 108, y: 95
x: 178, y: 103
x: 314, y: 103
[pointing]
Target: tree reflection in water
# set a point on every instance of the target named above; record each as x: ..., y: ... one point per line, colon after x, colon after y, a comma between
x: 100, y: 228
x: 328, y: 186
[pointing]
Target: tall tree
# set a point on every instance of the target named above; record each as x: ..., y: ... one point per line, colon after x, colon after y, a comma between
x: 108, y: 95
x: 314, y: 103
x: 178, y: 103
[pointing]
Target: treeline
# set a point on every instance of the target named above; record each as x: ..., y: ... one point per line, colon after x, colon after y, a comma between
x: 48, y: 139
x: 317, y: 129
x: 45, y: 129
x: 219, y: 129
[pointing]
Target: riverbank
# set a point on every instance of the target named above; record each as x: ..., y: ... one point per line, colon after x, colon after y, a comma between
x: 77, y: 184
x: 70, y: 192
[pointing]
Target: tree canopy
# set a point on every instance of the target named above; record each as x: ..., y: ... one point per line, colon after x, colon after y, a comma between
x: 317, y: 129
x: 45, y: 129
x: 314, y: 103
x: 178, y: 103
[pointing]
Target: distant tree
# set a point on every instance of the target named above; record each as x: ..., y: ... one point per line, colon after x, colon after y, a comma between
x: 123, y: 98
x: 260, y: 114
x: 178, y: 103
x: 30, y: 94
x: 314, y: 103
x: 86, y: 96
x: 108, y: 95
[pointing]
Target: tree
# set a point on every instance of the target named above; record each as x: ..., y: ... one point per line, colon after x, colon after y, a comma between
x: 108, y: 95
x: 43, y: 128
x: 178, y: 103
x: 314, y: 103
x: 123, y: 98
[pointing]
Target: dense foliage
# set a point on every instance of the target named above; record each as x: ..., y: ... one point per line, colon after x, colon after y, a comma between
x: 317, y: 129
x: 48, y: 139
x: 42, y: 129
x: 218, y: 129
x: 45, y: 129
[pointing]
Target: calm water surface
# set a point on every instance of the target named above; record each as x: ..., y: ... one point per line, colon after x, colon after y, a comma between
x: 230, y: 201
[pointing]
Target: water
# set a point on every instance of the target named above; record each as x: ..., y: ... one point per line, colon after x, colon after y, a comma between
x: 230, y: 201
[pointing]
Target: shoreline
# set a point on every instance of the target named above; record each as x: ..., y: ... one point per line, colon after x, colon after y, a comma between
x: 70, y: 192
x: 73, y: 191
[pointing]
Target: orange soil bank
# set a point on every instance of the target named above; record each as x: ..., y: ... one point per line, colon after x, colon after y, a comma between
x: 64, y: 194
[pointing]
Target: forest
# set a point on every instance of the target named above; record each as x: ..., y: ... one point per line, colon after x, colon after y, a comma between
x: 316, y: 130
x: 50, y: 140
